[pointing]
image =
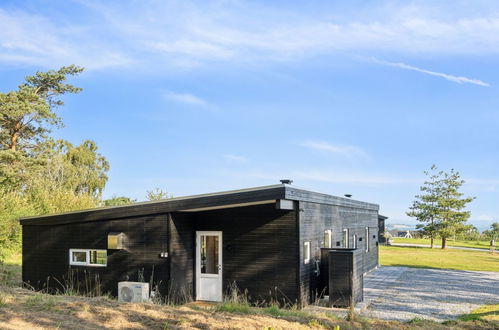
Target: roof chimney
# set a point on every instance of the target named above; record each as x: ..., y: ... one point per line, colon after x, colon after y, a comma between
x: 348, y: 195
x: 286, y: 181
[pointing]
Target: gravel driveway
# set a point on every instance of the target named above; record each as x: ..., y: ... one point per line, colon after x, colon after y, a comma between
x: 403, y: 293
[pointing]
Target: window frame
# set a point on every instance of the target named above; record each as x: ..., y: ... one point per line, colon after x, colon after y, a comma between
x: 307, y: 252
x: 329, y: 242
x: 346, y: 238
x: 354, y: 241
x: 87, y: 258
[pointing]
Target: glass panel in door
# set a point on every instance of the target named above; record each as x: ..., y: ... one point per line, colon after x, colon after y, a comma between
x: 209, y: 254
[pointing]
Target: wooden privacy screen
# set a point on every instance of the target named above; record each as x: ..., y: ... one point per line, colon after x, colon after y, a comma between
x: 346, y: 280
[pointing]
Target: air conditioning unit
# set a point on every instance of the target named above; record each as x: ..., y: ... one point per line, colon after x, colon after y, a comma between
x: 133, y: 292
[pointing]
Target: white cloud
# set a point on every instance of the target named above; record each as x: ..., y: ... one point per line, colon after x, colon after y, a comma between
x: 485, y: 217
x: 235, y: 158
x: 36, y: 40
x: 343, y: 150
x: 184, y: 98
x: 162, y: 34
x: 456, y: 79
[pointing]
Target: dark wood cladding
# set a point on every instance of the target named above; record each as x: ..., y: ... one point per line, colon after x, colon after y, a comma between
x: 175, y: 204
x: 293, y: 193
x: 345, y: 277
x: 259, y: 250
x: 46, y: 253
x: 314, y: 219
x: 182, y: 253
x: 381, y: 228
x: 262, y: 245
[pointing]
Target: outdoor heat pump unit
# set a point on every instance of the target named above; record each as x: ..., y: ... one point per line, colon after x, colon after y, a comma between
x: 133, y: 292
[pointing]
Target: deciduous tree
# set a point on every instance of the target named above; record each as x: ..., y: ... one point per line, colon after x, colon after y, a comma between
x: 157, y: 194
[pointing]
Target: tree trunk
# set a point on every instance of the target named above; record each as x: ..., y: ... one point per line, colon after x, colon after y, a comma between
x: 444, y: 242
x: 14, y: 135
x: 13, y: 142
x: 431, y: 241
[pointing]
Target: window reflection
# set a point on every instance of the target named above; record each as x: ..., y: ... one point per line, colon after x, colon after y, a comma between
x: 209, y: 254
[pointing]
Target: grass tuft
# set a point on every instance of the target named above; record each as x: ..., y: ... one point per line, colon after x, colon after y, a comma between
x: 235, y: 307
x: 486, y: 312
x: 41, y: 302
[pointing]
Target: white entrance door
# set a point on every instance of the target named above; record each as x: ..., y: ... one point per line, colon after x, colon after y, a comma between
x: 209, y: 265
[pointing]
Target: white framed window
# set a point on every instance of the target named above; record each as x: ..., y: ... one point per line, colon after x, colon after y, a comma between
x: 354, y: 241
x: 306, y: 252
x: 87, y: 257
x: 345, y: 238
x: 328, y: 239
x: 367, y: 239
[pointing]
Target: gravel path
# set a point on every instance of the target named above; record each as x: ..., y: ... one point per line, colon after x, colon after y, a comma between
x: 403, y: 293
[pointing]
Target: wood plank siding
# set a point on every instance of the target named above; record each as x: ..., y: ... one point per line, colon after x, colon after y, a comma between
x: 314, y: 219
x: 259, y: 250
x: 46, y: 253
x: 264, y: 230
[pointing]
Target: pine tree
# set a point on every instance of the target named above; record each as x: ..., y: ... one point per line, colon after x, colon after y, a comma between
x: 451, y: 204
x: 440, y: 207
x: 425, y: 207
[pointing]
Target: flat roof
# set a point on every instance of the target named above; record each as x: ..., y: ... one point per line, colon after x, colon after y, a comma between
x: 223, y: 199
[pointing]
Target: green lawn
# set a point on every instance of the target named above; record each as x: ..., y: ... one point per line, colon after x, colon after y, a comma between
x: 438, y: 258
x: 486, y: 312
x: 473, y: 244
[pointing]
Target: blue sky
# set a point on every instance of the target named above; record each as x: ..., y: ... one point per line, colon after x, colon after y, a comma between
x: 342, y: 97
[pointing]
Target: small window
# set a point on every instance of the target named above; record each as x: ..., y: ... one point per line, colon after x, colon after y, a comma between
x: 328, y: 242
x: 354, y: 241
x: 345, y: 238
x: 306, y: 252
x: 84, y: 257
x: 338, y: 243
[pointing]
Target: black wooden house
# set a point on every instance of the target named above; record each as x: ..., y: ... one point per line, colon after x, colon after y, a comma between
x: 265, y: 240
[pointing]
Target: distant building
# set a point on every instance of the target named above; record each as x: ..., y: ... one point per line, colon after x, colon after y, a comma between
x: 402, y: 233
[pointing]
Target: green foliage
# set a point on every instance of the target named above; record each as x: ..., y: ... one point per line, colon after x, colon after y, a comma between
x: 27, y: 115
x: 425, y: 206
x: 39, y: 175
x: 440, y: 206
x: 37, y: 201
x: 493, y: 232
x: 79, y: 169
x: 118, y: 200
x: 451, y: 206
x: 276, y: 311
x: 471, y: 234
x: 235, y: 307
x: 157, y: 194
